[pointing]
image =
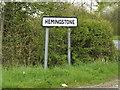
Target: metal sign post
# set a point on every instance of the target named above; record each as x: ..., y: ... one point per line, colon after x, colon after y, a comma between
x: 69, y: 45
x: 46, y: 48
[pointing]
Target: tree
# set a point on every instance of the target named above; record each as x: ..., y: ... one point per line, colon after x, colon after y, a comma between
x: 109, y: 11
x: 19, y: 35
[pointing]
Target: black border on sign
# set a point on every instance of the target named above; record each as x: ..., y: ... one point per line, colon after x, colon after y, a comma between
x: 58, y: 17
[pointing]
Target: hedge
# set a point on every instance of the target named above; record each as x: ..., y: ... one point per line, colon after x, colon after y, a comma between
x: 24, y: 41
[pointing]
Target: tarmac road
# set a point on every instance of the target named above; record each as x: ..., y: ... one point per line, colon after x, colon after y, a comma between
x: 111, y: 84
x: 117, y: 44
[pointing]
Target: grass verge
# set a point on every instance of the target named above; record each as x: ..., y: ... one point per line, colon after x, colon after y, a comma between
x: 116, y: 38
x: 73, y: 76
x: 0, y: 76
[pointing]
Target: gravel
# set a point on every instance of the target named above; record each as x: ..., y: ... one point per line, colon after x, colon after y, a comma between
x: 111, y: 84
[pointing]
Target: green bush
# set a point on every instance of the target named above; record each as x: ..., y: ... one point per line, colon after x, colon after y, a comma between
x: 24, y: 42
x: 91, y: 40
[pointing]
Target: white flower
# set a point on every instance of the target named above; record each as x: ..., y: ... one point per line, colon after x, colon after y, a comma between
x: 23, y: 72
x: 64, y: 85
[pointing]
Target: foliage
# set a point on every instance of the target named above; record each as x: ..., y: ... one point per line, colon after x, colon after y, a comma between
x: 24, y: 37
x: 0, y: 75
x: 18, y: 35
x: 92, y: 39
x: 74, y: 76
x: 110, y: 11
x: 116, y: 37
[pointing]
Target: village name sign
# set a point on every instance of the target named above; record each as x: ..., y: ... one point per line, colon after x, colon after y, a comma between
x: 58, y: 22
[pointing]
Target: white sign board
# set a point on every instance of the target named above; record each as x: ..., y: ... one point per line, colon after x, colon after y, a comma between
x: 59, y: 21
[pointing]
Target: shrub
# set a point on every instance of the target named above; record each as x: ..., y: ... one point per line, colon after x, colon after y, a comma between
x: 92, y: 39
x: 24, y: 42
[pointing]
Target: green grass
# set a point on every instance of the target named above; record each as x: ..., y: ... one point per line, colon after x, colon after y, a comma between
x: 0, y: 76
x: 73, y: 76
x: 116, y: 38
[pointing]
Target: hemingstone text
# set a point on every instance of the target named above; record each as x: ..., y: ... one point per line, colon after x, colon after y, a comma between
x: 59, y: 21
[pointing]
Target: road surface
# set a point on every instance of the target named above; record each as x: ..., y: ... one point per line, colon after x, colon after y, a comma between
x: 111, y: 84
x: 117, y: 44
